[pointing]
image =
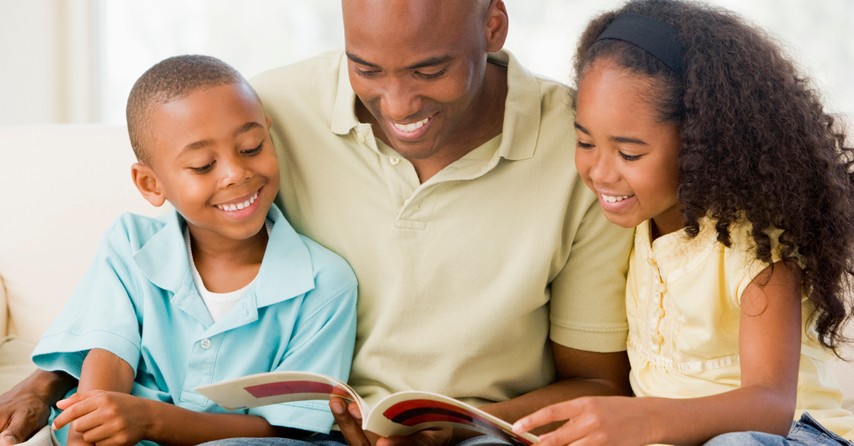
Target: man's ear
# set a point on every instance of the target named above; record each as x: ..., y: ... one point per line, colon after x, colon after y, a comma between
x: 497, y: 25
x: 146, y: 182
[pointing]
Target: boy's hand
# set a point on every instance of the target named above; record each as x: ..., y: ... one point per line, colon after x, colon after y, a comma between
x: 106, y: 418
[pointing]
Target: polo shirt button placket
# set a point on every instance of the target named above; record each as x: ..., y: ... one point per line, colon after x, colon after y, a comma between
x: 205, y: 344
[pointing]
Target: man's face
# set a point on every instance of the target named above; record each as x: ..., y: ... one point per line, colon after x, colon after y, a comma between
x: 418, y: 67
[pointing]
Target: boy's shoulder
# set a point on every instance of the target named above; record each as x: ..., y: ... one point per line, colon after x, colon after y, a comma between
x: 135, y: 230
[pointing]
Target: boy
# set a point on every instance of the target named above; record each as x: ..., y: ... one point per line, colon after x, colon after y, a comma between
x: 220, y: 288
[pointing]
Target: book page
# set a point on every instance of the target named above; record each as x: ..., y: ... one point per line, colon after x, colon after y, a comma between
x: 277, y: 387
x: 406, y: 412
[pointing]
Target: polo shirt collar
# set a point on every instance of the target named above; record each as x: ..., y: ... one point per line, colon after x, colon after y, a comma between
x: 521, y: 115
x: 286, y: 270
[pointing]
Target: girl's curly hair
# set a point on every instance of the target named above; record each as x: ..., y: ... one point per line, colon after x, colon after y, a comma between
x: 756, y: 145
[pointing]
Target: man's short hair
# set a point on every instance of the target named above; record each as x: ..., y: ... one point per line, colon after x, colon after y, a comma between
x: 171, y: 79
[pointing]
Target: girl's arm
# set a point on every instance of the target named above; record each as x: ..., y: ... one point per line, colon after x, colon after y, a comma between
x: 769, y: 343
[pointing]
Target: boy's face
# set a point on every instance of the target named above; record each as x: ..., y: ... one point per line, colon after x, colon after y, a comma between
x: 211, y: 156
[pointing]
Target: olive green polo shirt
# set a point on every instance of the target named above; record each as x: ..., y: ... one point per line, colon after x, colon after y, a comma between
x: 464, y: 278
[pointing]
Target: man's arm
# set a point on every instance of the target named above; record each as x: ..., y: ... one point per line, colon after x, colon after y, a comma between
x: 579, y: 373
x: 25, y: 408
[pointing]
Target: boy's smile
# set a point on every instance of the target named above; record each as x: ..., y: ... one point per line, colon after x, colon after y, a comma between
x: 213, y: 160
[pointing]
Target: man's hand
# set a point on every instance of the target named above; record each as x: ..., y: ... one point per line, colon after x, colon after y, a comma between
x: 21, y: 415
x: 349, y: 421
x: 25, y: 408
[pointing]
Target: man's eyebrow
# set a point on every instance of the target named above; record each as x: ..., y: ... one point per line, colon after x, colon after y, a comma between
x: 429, y: 62
x: 207, y: 142
x: 622, y: 139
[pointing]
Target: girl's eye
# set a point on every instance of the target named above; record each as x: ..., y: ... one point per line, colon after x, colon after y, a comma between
x: 583, y: 145
x: 253, y: 151
x: 628, y: 157
x: 203, y: 169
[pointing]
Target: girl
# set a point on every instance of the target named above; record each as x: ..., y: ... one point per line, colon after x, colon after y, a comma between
x: 692, y: 126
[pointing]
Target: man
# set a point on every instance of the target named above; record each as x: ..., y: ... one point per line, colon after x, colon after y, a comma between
x: 442, y: 171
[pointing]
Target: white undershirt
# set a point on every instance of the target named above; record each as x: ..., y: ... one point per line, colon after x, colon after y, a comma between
x: 218, y: 304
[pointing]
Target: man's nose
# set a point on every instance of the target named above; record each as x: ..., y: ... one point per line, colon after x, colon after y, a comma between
x: 400, y: 100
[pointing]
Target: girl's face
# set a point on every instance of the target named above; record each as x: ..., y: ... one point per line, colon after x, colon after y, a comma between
x: 624, y: 154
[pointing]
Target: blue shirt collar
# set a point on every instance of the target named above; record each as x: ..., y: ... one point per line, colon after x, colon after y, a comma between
x: 286, y: 270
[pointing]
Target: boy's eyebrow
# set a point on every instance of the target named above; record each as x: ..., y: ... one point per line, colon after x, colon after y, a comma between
x: 206, y: 142
x: 622, y: 139
x: 429, y: 62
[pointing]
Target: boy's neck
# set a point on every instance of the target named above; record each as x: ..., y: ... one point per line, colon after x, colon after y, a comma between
x: 231, y: 266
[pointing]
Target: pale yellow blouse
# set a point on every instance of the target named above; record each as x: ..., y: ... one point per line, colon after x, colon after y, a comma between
x: 683, y: 299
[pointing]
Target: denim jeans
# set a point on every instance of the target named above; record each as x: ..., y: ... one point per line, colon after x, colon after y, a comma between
x: 333, y: 439
x: 805, y: 432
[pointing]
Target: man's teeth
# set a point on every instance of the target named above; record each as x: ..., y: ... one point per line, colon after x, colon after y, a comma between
x: 613, y: 198
x: 231, y: 207
x: 409, y: 128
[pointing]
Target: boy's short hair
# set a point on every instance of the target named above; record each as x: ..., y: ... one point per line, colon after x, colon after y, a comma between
x: 171, y: 79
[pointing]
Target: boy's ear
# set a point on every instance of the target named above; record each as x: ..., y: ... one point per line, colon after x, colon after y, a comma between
x: 146, y: 182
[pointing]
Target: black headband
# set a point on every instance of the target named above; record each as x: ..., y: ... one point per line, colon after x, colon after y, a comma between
x: 656, y: 38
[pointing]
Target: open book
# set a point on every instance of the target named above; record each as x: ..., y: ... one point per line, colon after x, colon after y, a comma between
x: 401, y: 413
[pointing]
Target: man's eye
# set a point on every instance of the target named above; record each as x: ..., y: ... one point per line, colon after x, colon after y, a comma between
x: 366, y: 73
x: 429, y: 76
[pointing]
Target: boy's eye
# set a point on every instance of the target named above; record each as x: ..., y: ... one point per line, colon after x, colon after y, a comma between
x: 253, y: 151
x: 203, y: 169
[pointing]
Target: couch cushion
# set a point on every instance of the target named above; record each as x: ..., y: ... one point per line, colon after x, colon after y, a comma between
x: 63, y: 185
x: 15, y: 362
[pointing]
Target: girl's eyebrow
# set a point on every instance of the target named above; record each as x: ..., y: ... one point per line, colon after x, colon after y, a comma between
x: 621, y: 139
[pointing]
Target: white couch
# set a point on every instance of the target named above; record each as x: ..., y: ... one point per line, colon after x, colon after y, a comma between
x: 61, y: 186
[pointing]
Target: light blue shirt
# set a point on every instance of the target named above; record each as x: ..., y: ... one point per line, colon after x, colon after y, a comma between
x: 138, y: 300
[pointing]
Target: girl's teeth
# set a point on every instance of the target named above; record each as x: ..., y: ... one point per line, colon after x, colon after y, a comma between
x: 238, y: 206
x: 614, y: 199
x: 409, y: 128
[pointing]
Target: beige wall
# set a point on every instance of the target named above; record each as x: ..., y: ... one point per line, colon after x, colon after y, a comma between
x: 48, y: 54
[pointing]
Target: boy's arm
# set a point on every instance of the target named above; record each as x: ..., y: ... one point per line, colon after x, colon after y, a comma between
x: 102, y: 370
x: 134, y: 419
x: 104, y: 392
x: 24, y: 409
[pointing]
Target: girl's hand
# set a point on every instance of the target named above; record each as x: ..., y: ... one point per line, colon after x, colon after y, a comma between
x: 592, y: 421
x: 106, y: 418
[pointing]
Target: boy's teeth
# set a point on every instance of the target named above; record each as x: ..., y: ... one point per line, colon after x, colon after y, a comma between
x: 238, y: 206
x: 613, y: 198
x: 409, y: 128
